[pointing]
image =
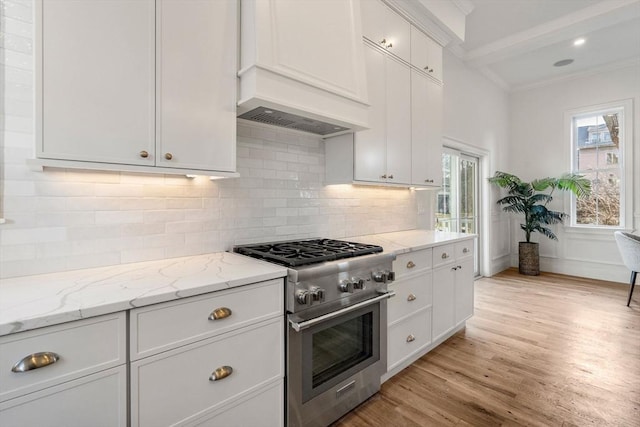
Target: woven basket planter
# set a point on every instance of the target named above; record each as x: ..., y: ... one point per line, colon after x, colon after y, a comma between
x: 528, y: 259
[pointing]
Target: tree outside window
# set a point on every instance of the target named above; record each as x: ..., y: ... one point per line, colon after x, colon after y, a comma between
x: 597, y: 146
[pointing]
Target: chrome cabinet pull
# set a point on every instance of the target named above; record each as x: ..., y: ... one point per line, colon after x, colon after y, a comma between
x: 383, y: 176
x: 465, y: 251
x: 220, y: 313
x: 411, y: 264
x: 428, y: 180
x: 411, y: 338
x: 144, y: 154
x: 454, y: 268
x: 221, y: 373
x: 35, y: 361
x: 411, y: 297
x: 445, y: 255
x: 390, y: 176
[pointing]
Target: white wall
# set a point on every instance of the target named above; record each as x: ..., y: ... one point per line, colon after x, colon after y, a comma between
x: 538, y: 148
x: 476, y: 116
x: 67, y: 219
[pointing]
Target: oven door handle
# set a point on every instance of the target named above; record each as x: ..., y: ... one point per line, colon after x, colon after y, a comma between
x: 299, y: 326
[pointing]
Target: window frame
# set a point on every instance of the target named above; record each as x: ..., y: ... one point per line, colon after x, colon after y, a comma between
x: 625, y: 161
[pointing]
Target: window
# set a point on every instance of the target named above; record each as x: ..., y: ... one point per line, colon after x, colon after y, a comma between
x: 600, y: 147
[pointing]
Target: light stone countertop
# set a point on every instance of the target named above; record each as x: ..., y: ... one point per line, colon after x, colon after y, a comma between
x: 411, y: 240
x: 30, y: 302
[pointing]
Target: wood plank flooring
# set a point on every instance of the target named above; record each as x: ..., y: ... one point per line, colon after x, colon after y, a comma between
x: 550, y: 350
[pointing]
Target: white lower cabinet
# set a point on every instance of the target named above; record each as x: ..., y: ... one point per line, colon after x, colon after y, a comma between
x: 434, y: 297
x: 98, y: 400
x: 172, y: 387
x: 73, y: 374
x: 408, y: 336
x: 221, y: 358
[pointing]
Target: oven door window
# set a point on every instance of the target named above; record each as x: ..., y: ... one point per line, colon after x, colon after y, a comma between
x: 340, y: 348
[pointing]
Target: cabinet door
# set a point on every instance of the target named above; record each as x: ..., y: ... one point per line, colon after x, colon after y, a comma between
x: 426, y: 54
x: 96, y: 94
x: 370, y: 145
x: 464, y: 290
x: 398, y: 77
x: 426, y: 134
x: 443, y: 300
x: 196, y: 84
x: 397, y: 34
x: 95, y: 400
x: 373, y: 16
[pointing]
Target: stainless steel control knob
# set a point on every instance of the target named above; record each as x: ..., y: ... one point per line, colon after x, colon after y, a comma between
x: 317, y: 294
x: 346, y: 286
x: 358, y: 283
x: 303, y: 297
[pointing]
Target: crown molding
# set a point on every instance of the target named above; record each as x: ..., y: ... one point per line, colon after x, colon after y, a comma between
x: 465, y: 6
x: 495, y: 78
x: 578, y: 74
x: 457, y: 50
x: 419, y: 17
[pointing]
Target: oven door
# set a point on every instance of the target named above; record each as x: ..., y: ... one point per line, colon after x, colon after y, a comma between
x: 335, y: 361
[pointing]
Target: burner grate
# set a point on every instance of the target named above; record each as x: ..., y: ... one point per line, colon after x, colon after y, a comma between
x: 295, y: 253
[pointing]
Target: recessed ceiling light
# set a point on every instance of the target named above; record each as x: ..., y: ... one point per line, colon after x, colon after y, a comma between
x: 563, y: 62
x: 578, y: 42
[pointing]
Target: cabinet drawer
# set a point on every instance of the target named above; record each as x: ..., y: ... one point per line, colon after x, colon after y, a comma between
x: 412, y: 261
x: 464, y: 249
x: 171, y: 387
x: 168, y: 325
x: 408, y: 336
x: 83, y: 347
x: 412, y: 294
x: 265, y: 408
x: 98, y: 400
x: 443, y: 255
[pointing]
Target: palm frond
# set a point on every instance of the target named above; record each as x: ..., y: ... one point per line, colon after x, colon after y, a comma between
x: 546, y: 232
x: 576, y: 183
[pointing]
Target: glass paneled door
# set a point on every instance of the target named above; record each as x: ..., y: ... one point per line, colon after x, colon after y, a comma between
x: 457, y: 204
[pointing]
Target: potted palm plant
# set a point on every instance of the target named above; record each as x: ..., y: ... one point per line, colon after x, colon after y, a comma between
x: 531, y: 199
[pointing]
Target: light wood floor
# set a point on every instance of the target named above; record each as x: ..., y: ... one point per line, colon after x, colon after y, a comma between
x: 550, y: 350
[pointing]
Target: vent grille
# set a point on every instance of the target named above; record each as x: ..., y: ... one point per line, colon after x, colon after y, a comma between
x: 291, y: 121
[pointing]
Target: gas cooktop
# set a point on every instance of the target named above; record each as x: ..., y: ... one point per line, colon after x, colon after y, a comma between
x: 295, y: 253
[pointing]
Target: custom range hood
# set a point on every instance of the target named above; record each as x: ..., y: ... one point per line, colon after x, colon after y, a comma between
x: 302, y: 65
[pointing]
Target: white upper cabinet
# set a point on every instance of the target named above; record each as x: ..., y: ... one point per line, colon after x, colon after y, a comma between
x: 139, y: 85
x: 97, y: 78
x: 386, y: 28
x: 426, y: 131
x: 383, y: 153
x: 371, y: 144
x: 196, y: 84
x: 426, y: 54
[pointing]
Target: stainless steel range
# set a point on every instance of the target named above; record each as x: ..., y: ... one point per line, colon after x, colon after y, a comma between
x: 337, y: 316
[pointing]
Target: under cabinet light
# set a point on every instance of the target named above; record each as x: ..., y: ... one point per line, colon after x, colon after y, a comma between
x: 191, y: 176
x: 579, y: 42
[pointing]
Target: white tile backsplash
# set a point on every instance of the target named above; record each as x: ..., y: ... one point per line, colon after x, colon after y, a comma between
x: 68, y: 219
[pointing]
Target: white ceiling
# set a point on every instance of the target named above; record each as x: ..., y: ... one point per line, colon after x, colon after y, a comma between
x: 516, y: 42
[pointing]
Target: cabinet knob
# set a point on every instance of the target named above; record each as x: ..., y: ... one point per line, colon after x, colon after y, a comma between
x: 390, y: 176
x: 220, y: 313
x: 221, y: 373
x: 383, y: 176
x: 168, y: 156
x: 411, y: 297
x: 411, y: 338
x: 411, y: 264
x: 428, y: 180
x: 35, y: 361
x: 390, y: 45
x: 426, y: 68
x: 431, y: 70
x: 445, y: 255
x: 383, y: 42
x: 144, y: 154
x: 465, y: 251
